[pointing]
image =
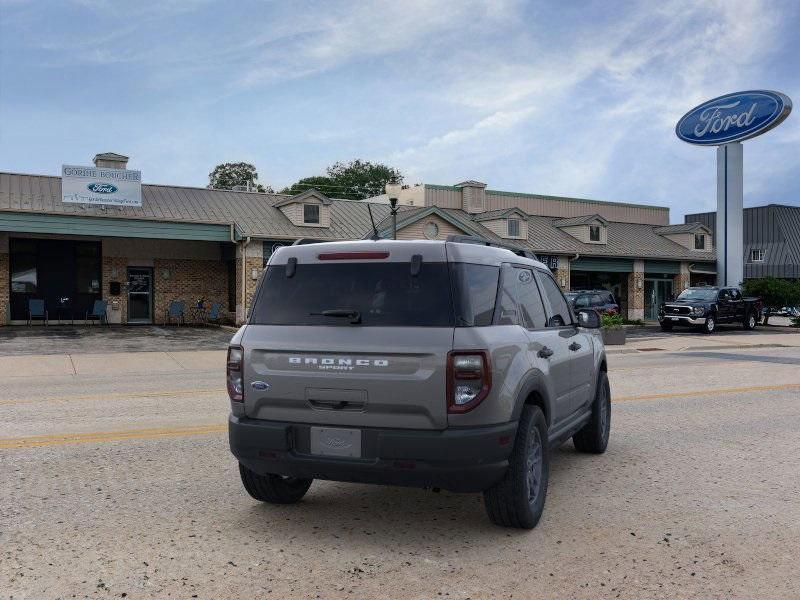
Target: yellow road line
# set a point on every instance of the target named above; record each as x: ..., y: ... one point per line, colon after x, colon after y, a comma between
x: 711, y: 392
x: 114, y: 396
x: 108, y: 436
x: 167, y: 432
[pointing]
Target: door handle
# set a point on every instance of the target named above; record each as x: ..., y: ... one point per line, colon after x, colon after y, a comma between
x: 574, y: 346
x: 545, y: 352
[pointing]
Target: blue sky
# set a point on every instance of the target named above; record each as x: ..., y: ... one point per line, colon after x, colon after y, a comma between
x: 565, y: 98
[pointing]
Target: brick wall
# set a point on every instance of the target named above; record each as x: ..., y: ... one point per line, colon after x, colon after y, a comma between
x: 4, y: 288
x: 635, y: 302
x: 116, y: 269
x: 188, y: 280
x: 562, y: 273
x: 683, y: 280
x: 254, y: 259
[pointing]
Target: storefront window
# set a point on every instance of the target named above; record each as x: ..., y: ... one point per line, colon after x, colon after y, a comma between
x: 87, y: 268
x: 23, y: 277
x: 23, y: 266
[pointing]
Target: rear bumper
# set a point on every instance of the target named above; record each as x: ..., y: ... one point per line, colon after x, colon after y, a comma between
x: 462, y: 460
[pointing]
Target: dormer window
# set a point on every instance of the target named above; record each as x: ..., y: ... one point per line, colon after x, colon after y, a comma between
x: 699, y: 241
x: 513, y: 228
x: 311, y: 214
x: 594, y: 233
x: 307, y: 209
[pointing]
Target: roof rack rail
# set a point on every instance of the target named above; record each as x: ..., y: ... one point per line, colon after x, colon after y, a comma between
x: 304, y: 241
x: 474, y: 239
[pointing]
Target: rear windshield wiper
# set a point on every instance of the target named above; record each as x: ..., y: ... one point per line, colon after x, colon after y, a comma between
x: 343, y: 313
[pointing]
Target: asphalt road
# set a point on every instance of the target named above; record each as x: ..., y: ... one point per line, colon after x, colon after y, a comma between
x: 123, y: 486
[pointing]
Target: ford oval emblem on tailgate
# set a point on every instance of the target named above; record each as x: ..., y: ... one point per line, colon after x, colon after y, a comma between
x: 259, y: 385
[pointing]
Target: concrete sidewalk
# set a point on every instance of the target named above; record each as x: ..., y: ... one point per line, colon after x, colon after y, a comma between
x: 675, y: 342
x: 43, y: 365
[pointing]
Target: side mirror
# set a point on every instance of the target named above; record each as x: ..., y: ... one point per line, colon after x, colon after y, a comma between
x: 588, y: 318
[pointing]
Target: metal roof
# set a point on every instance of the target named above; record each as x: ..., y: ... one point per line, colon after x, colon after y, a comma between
x: 631, y: 240
x: 254, y: 214
x: 500, y: 213
x: 682, y: 228
x: 582, y: 220
x: 773, y: 228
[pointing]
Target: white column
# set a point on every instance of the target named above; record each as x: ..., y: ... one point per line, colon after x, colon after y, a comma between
x: 730, y: 201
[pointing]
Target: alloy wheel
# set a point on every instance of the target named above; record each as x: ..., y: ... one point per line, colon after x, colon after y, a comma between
x: 534, y: 466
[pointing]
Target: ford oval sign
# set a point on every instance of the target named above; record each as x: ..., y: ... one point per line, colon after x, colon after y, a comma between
x: 733, y: 117
x: 101, y: 188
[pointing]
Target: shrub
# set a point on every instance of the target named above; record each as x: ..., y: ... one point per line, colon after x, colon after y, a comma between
x: 774, y: 292
x: 611, y: 321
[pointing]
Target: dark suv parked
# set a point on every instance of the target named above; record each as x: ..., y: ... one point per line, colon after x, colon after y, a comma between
x: 600, y: 300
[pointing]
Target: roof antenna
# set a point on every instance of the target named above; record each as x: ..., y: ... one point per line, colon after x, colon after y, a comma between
x: 375, y: 235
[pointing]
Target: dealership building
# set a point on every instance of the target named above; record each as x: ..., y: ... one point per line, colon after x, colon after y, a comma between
x: 771, y: 239
x: 69, y: 249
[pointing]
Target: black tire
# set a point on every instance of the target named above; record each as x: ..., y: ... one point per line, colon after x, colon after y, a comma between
x: 593, y: 437
x: 666, y: 326
x: 710, y: 326
x: 750, y: 321
x: 517, y: 500
x: 274, y: 489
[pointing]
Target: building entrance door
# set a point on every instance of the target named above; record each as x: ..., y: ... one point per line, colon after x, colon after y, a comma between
x: 656, y: 291
x: 140, y: 295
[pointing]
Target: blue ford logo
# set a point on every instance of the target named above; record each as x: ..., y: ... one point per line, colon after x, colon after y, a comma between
x: 259, y: 385
x: 733, y: 117
x: 101, y: 188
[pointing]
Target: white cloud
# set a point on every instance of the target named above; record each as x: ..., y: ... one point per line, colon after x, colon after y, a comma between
x: 598, y: 101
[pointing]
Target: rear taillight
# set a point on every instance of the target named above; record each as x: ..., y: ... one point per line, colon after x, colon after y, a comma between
x: 469, y: 379
x: 234, y: 373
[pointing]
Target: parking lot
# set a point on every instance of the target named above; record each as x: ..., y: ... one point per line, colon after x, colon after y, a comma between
x: 119, y: 483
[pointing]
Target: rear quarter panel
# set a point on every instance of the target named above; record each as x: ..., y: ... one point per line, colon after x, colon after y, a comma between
x: 508, y: 351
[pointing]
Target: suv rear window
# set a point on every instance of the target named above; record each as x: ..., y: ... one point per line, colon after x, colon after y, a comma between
x: 383, y: 293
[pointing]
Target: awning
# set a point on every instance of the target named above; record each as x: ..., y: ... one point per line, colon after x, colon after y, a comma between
x: 669, y: 267
x: 606, y: 265
x: 112, y: 227
x: 703, y: 268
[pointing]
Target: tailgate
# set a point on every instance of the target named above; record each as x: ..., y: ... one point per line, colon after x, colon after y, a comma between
x: 390, y: 377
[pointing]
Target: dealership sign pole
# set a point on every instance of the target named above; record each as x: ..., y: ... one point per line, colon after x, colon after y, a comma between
x: 726, y: 122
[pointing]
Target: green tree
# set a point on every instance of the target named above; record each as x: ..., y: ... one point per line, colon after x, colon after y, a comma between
x: 228, y: 175
x: 363, y: 179
x: 318, y: 182
x: 774, y: 292
x: 355, y: 180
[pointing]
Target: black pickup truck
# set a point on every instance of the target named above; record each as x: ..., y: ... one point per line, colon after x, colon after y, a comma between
x: 706, y: 307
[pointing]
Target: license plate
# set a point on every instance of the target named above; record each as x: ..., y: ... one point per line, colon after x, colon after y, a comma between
x: 329, y: 441
x: 675, y: 318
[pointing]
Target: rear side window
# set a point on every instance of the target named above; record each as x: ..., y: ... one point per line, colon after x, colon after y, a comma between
x: 597, y: 300
x: 383, y: 294
x: 530, y: 302
x: 582, y: 301
x: 560, y: 313
x: 474, y: 293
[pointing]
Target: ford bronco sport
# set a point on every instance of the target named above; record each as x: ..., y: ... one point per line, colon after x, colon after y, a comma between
x: 423, y: 363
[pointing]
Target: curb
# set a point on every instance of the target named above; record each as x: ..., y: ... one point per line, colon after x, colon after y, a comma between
x: 694, y: 348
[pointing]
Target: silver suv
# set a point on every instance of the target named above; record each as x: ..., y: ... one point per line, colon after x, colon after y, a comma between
x: 422, y: 363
